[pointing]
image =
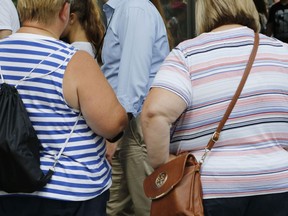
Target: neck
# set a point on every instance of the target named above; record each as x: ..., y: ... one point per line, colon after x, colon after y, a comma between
x: 78, y: 34
x: 226, y: 27
x: 36, y: 29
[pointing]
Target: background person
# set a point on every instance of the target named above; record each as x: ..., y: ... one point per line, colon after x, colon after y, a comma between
x: 177, y: 22
x: 9, y: 20
x: 135, y: 45
x: 80, y: 184
x: 277, y: 25
x: 246, y: 173
x: 262, y: 8
x: 85, y: 29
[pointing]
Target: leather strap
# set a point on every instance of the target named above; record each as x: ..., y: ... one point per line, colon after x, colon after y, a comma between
x: 216, y: 134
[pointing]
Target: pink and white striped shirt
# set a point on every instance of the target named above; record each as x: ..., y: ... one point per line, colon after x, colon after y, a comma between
x: 251, y: 155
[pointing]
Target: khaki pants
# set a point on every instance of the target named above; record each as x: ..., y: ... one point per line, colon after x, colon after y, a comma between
x: 129, y: 169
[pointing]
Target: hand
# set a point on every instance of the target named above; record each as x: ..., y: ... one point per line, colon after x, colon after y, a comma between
x: 110, y: 150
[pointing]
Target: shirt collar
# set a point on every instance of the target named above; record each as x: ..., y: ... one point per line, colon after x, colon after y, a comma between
x: 113, y: 4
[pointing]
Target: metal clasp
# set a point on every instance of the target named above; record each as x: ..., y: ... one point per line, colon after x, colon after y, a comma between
x: 204, y: 155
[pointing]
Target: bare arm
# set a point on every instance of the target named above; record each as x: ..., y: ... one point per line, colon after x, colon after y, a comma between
x: 4, y: 33
x: 86, y: 88
x: 160, y: 110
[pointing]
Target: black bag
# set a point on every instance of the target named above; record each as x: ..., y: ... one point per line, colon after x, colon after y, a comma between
x: 19, y: 146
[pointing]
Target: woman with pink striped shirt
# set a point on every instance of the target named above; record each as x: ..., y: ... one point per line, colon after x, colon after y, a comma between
x: 246, y: 173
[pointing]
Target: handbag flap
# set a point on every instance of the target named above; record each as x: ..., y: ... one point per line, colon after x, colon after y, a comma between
x: 164, y: 178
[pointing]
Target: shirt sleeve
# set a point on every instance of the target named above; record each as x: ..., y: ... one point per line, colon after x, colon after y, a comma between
x: 136, y: 36
x: 174, y: 76
x: 5, y: 21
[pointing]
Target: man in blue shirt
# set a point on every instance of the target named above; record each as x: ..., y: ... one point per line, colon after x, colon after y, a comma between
x: 134, y: 47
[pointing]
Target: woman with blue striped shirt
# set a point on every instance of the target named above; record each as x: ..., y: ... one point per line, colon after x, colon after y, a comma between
x: 58, y: 83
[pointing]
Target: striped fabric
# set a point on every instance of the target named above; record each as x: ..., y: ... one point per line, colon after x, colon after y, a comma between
x: 82, y: 172
x: 251, y: 156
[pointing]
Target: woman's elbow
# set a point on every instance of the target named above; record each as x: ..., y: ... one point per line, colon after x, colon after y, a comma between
x: 118, y: 122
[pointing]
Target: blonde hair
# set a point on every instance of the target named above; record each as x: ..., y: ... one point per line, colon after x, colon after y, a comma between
x: 211, y: 14
x: 42, y: 11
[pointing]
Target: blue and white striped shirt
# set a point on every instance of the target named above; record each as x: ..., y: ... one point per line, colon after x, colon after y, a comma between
x: 82, y: 172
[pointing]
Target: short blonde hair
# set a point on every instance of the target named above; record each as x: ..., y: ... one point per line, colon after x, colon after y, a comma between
x: 42, y: 11
x: 211, y: 14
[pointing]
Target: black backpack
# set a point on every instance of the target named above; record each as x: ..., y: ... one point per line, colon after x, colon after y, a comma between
x: 19, y: 146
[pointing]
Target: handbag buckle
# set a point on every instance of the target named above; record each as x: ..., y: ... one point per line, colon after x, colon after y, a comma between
x: 161, y: 179
x: 215, y: 136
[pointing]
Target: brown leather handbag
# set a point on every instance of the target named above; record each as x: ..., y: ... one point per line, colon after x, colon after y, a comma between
x: 175, y: 187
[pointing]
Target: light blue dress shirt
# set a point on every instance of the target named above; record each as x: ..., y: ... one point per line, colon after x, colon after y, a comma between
x: 134, y: 47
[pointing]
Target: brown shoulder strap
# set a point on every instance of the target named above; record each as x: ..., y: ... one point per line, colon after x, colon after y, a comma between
x: 216, y: 134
